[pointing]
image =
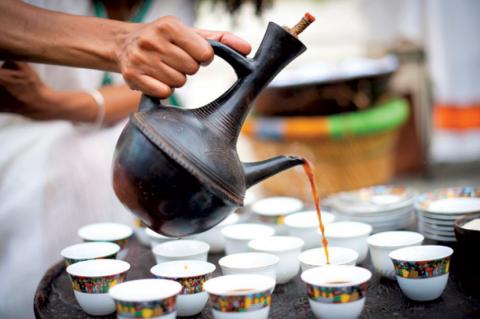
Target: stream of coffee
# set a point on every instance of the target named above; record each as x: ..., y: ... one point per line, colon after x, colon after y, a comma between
x: 316, y: 200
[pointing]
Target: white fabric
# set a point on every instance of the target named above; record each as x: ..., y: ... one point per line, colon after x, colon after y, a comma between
x: 55, y: 177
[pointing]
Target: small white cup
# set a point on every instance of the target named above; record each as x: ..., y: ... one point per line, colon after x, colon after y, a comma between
x: 237, y: 236
x: 273, y: 210
x: 351, y: 235
x: 382, y: 244
x: 180, y: 250
x: 338, y: 256
x: 191, y: 274
x: 240, y: 296
x: 110, y: 232
x: 422, y: 271
x: 214, y: 237
x: 91, y: 281
x: 287, y: 248
x: 336, y: 291
x: 87, y: 251
x: 156, y: 238
x: 151, y: 298
x: 305, y: 225
x: 250, y: 263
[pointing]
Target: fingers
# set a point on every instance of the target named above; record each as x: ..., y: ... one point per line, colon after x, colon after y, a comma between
x: 149, y: 86
x: 227, y: 38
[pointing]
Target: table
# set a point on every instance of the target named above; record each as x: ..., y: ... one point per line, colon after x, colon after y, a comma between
x: 54, y: 297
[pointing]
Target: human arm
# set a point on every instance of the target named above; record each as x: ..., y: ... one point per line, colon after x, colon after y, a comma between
x: 153, y: 57
x: 22, y: 92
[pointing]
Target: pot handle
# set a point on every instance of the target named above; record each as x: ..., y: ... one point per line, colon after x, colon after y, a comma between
x: 241, y: 64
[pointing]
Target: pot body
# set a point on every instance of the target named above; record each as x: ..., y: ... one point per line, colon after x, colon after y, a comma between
x: 164, y: 195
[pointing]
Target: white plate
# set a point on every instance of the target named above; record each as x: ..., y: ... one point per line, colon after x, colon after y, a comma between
x: 426, y: 228
x: 370, y: 200
x: 434, y: 233
x: 439, y: 238
x: 450, y: 201
x: 435, y: 221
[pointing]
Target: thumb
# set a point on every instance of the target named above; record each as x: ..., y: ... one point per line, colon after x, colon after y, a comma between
x: 227, y: 38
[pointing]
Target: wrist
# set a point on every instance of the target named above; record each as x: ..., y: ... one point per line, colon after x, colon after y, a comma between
x: 121, y: 39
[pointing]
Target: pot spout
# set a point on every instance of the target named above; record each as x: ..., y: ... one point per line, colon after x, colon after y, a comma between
x: 258, y: 171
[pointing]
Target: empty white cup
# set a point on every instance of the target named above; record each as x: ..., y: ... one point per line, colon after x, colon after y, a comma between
x: 250, y: 263
x: 382, y: 244
x: 287, y: 248
x: 110, y: 232
x: 305, y: 225
x: 180, y: 250
x: 214, y: 237
x: 338, y: 256
x: 273, y: 210
x: 237, y: 236
x: 156, y: 238
x: 351, y: 235
x: 87, y: 251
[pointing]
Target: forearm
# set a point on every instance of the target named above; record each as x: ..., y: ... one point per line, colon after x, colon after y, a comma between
x: 33, y: 34
x: 80, y: 106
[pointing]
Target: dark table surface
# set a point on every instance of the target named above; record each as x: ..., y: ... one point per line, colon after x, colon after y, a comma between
x: 54, y: 297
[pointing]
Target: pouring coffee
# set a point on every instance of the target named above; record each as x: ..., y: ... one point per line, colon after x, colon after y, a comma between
x: 178, y: 169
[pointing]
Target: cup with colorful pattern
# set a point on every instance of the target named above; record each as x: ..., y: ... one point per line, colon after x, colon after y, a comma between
x: 191, y: 274
x: 109, y: 232
x: 91, y: 281
x: 287, y: 248
x: 250, y: 263
x: 237, y: 236
x: 183, y: 249
x: 305, y: 225
x: 146, y: 298
x: 87, y: 251
x: 338, y: 256
x: 140, y: 230
x: 351, y: 235
x: 273, y: 210
x: 422, y: 271
x: 242, y: 296
x: 382, y: 244
x: 337, y: 291
x: 156, y: 238
x: 214, y: 237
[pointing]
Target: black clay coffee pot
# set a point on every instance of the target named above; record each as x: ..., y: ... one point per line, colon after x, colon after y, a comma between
x: 178, y: 169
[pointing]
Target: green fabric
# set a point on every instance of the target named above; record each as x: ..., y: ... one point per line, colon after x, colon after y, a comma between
x: 381, y: 118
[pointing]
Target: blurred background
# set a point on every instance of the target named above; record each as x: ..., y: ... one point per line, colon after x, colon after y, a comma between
x: 387, y: 92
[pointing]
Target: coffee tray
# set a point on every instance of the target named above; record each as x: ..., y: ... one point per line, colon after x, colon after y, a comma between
x: 54, y: 297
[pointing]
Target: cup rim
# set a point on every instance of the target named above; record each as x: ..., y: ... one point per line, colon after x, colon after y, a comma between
x: 365, y: 231
x: 460, y: 222
x: 397, y: 254
x: 91, y: 233
x: 258, y: 244
x: 157, y: 269
x: 311, y: 276
x: 353, y: 255
x: 109, y: 249
x: 84, y: 268
x: 273, y: 260
x: 216, y: 286
x: 375, y: 240
x: 290, y: 219
x: 265, y: 231
x: 160, y: 249
x: 125, y: 292
x: 297, y: 205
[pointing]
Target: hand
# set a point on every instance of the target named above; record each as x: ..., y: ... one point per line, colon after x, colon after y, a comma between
x: 156, y: 58
x: 22, y: 92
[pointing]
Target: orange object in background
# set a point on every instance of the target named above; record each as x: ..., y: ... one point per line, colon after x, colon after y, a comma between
x: 456, y: 117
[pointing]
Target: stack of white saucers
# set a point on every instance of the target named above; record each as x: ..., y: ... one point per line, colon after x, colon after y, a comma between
x: 438, y: 210
x: 384, y: 207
